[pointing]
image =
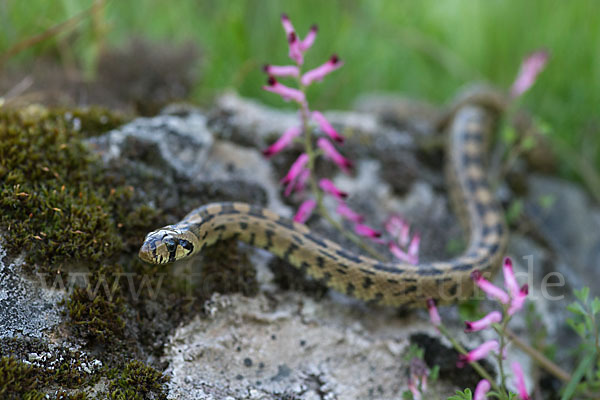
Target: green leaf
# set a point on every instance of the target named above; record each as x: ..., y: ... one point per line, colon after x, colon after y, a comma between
x: 435, y: 373
x: 514, y: 210
x: 578, y: 327
x: 464, y: 395
x: 528, y: 143
x: 578, y: 374
x: 509, y: 135
x: 596, y: 305
x: 546, y: 201
x: 577, y: 308
x: 583, y: 294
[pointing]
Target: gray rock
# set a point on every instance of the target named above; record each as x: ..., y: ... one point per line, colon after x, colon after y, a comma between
x: 563, y: 214
x: 27, y: 307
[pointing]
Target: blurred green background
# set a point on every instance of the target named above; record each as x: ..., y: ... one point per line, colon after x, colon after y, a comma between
x: 424, y: 49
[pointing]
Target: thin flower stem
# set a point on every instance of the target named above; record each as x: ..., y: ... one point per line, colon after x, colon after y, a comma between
x: 538, y: 357
x: 476, y: 366
x: 312, y: 155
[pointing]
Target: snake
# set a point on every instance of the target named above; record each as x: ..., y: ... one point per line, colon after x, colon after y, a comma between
x: 469, y: 128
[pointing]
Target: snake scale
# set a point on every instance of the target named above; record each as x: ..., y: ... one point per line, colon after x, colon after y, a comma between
x: 391, y: 283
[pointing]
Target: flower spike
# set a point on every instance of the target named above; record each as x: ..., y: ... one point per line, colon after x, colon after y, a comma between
x: 478, y: 353
x: 399, y: 229
x: 348, y: 213
x: 331, y: 153
x: 367, y: 231
x: 285, y: 92
x: 510, y: 281
x: 517, y: 302
x: 305, y: 210
x: 483, y: 323
x: 285, y: 140
x: 481, y: 390
x: 295, y: 53
x: 328, y: 187
x: 295, y: 169
x: 319, y: 73
x: 520, y: 380
x: 490, y: 289
x: 434, y: 315
x: 281, y: 70
x: 327, y: 127
x: 401, y: 254
x: 309, y: 39
x: 530, y: 69
x: 287, y: 24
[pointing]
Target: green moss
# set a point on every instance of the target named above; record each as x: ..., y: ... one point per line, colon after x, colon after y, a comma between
x: 18, y: 380
x: 138, y: 381
x: 56, y: 207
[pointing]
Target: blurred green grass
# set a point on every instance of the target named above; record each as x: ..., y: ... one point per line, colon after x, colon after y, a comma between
x: 425, y: 49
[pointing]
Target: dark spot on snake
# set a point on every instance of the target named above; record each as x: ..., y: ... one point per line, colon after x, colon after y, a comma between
x: 481, y: 209
x: 388, y: 268
x: 474, y: 184
x: 367, y: 271
x: 326, y: 277
x: 235, y: 236
x: 326, y: 254
x: 288, y: 252
x: 392, y: 281
x: 320, y: 262
x: 269, y: 234
x: 243, y: 226
x: 304, y: 267
x: 428, y: 270
x: 286, y: 223
x: 452, y: 290
x: 297, y: 239
x: 377, y: 299
x: 349, y: 256
x: 367, y: 282
x: 407, y: 290
x: 471, y: 159
x: 256, y: 212
x: 315, y: 240
x: 344, y: 266
x: 252, y: 239
x: 227, y: 208
x: 341, y: 271
x: 474, y: 136
x: 411, y: 280
x: 219, y: 228
x: 350, y: 289
x: 462, y: 267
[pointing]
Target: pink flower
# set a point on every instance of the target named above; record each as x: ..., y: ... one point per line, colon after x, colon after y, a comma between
x: 331, y: 153
x: 413, y: 248
x: 510, y: 281
x: 364, y: 230
x: 295, y: 53
x: 399, y: 229
x: 434, y: 316
x: 482, y: 388
x: 281, y: 70
x: 519, y: 380
x: 348, y: 213
x: 484, y: 322
x: 416, y: 393
x: 305, y: 210
x: 309, y: 39
x: 285, y: 140
x: 490, y: 289
x: 286, y: 92
x: 401, y: 254
x: 329, y: 187
x: 517, y: 302
x: 478, y: 353
x: 297, y: 184
x: 319, y: 73
x: 530, y: 68
x: 295, y: 169
x: 287, y: 24
x: 326, y: 127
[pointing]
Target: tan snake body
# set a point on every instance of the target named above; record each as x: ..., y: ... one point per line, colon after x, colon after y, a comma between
x: 393, y: 283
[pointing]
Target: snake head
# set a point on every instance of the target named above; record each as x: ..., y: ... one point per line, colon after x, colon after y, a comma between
x: 165, y: 245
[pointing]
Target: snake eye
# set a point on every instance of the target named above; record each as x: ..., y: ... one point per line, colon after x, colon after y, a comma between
x: 171, y: 244
x: 186, y: 244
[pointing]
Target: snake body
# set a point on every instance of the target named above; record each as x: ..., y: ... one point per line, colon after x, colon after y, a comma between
x: 393, y: 283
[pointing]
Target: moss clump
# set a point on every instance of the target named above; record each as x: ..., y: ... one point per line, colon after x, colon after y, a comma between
x: 95, y: 311
x: 18, y: 380
x: 55, y: 204
x: 138, y: 381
